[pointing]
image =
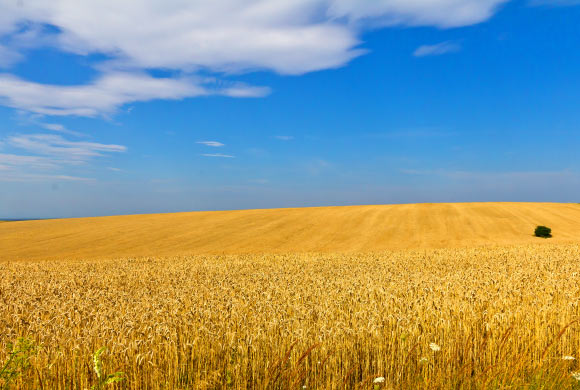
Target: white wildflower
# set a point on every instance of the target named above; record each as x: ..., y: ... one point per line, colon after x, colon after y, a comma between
x: 380, y: 379
x: 566, y: 357
x: 576, y: 375
x: 434, y: 347
x: 423, y: 360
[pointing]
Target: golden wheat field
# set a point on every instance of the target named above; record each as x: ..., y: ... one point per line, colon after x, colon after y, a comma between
x: 465, y: 316
x: 319, y: 229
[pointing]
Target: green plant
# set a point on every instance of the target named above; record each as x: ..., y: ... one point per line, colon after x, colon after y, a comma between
x: 18, y: 361
x: 543, y: 231
x: 103, y: 379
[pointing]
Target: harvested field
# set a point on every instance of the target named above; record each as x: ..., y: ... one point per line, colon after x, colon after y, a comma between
x: 323, y: 229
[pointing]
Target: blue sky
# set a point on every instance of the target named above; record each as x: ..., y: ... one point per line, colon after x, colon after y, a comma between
x: 154, y: 106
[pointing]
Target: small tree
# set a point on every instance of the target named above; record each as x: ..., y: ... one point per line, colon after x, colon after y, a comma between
x: 543, y: 231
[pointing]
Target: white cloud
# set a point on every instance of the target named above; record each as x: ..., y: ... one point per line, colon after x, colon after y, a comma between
x: 54, y: 127
x: 8, y: 56
x: 218, y: 155
x: 232, y: 36
x: 440, y: 13
x: 59, y: 129
x: 214, y: 144
x: 33, y: 177
x: 12, y: 161
x: 55, y: 145
x: 437, y: 49
x: 286, y: 36
x: 105, y: 94
x: 43, y: 155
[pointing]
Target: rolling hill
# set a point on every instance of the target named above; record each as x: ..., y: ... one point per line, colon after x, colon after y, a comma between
x: 318, y: 229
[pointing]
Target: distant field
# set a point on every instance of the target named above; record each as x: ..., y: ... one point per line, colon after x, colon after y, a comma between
x: 325, y: 229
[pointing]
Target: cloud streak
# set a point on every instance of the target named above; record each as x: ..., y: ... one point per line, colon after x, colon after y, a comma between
x: 57, y: 127
x: 106, y: 94
x: 44, y: 155
x: 56, y: 145
x: 218, y: 155
x: 214, y: 144
x: 13, y: 161
x: 32, y: 177
x: 437, y: 49
x: 8, y: 57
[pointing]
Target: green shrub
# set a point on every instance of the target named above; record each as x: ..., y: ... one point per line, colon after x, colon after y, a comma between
x: 104, y: 379
x: 543, y: 231
x: 17, y: 362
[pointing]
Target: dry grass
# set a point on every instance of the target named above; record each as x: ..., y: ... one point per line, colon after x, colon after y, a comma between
x: 324, y: 229
x: 503, y: 317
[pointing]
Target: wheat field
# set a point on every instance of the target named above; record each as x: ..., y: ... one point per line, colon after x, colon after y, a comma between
x: 352, y: 229
x: 497, y: 316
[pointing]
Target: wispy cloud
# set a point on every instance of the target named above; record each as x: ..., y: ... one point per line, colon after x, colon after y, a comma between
x: 44, y: 155
x: 437, y: 49
x: 54, y: 127
x: 8, y: 56
x: 57, y: 127
x: 284, y: 137
x: 108, y: 93
x: 32, y: 177
x: 218, y: 155
x: 13, y: 161
x: 214, y: 144
x: 56, y: 145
